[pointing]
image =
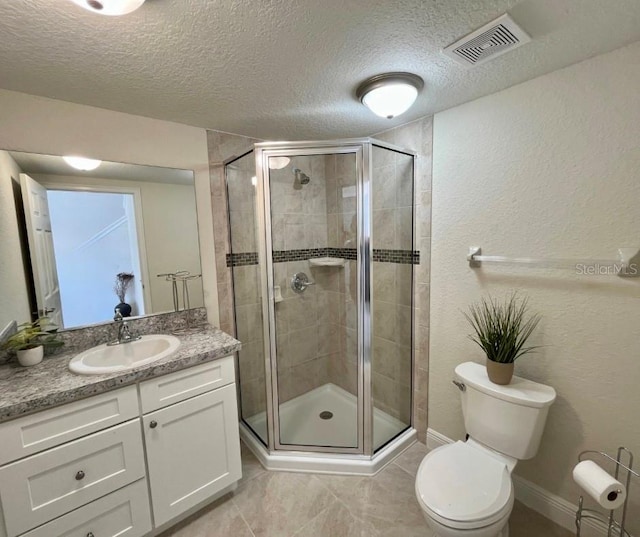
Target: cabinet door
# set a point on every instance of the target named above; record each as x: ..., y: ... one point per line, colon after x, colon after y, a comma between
x: 193, y: 451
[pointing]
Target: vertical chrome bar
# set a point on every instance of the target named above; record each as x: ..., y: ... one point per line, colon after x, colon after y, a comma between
x: 415, y: 245
x: 233, y: 292
x: 265, y: 265
x: 365, y: 256
x: 628, y: 484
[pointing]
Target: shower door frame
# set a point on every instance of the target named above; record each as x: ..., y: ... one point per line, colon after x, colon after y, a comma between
x: 363, y: 150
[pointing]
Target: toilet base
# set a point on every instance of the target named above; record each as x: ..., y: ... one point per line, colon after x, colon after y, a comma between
x: 497, y: 529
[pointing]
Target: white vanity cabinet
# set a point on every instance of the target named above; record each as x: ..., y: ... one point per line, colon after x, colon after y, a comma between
x: 193, y: 447
x: 97, y: 466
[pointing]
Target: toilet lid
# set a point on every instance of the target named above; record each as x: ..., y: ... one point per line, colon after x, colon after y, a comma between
x: 462, y: 484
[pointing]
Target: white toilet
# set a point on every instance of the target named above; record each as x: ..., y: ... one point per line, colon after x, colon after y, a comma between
x: 465, y: 488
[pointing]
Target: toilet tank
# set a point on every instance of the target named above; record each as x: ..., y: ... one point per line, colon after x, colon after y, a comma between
x: 509, y: 419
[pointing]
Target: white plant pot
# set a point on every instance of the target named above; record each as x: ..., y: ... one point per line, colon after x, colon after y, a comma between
x: 29, y: 357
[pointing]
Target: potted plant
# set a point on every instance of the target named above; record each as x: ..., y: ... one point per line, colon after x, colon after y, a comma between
x: 31, y: 339
x: 120, y: 288
x: 501, y: 331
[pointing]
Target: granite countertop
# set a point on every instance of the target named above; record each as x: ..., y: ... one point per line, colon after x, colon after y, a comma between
x: 24, y: 390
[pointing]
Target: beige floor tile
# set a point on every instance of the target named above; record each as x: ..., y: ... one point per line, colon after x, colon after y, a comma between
x: 220, y: 519
x: 387, y: 501
x: 337, y: 521
x: 525, y: 522
x: 277, y: 504
x: 280, y: 504
x: 411, y: 458
x: 251, y: 466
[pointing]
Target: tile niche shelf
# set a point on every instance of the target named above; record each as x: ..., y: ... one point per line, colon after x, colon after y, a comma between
x: 327, y: 262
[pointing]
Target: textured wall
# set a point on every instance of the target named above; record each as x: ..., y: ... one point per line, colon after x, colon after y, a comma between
x: 38, y: 125
x: 14, y: 302
x: 548, y: 168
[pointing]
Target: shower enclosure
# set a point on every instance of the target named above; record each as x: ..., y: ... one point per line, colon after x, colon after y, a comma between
x: 322, y: 255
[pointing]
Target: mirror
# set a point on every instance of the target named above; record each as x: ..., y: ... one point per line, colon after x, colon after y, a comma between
x: 76, y: 243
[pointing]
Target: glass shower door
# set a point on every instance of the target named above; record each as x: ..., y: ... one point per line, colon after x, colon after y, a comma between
x: 246, y: 269
x: 312, y: 205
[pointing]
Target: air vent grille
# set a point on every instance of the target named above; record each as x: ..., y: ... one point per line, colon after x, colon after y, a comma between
x: 493, y: 39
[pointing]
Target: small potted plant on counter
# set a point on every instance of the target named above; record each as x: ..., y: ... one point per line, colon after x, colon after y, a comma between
x: 120, y: 288
x: 31, y: 339
x: 501, y: 331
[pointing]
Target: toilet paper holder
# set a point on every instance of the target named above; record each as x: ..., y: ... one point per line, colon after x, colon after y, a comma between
x: 614, y: 528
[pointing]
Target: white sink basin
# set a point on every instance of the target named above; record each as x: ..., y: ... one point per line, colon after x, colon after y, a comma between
x: 111, y: 359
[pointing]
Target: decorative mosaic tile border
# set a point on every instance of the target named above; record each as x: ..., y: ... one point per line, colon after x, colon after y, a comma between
x: 409, y: 257
x: 242, y: 259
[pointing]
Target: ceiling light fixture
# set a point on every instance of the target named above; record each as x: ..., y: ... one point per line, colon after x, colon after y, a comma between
x: 390, y: 94
x: 81, y: 163
x: 277, y: 163
x: 110, y: 7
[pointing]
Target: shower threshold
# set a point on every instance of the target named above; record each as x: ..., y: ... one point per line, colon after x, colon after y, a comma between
x: 305, y: 420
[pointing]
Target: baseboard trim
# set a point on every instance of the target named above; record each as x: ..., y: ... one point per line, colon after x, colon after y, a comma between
x: 8, y: 330
x: 549, y: 505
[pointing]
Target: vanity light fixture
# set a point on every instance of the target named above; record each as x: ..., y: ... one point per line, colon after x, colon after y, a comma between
x: 110, y: 7
x: 277, y: 163
x: 82, y: 163
x: 390, y: 94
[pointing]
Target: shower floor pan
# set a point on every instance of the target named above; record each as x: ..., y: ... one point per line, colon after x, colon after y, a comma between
x: 303, y: 421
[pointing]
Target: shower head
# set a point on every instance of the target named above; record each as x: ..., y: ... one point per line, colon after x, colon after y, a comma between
x: 301, y: 177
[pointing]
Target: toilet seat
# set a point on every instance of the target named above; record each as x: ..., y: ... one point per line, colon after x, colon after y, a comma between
x: 462, y: 487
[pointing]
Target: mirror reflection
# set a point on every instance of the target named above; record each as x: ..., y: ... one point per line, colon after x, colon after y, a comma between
x: 91, y: 236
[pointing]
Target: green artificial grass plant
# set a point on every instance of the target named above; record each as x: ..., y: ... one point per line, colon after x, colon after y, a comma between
x: 501, y: 328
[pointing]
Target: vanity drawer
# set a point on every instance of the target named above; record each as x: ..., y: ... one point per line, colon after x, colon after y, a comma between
x: 124, y: 513
x: 42, y: 487
x: 169, y: 389
x: 25, y: 436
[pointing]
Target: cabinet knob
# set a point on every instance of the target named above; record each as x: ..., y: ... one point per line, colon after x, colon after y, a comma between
x: 79, y: 475
x: 90, y: 534
x: 153, y: 424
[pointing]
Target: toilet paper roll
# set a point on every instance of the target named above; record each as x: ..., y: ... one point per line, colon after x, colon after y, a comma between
x: 600, y: 485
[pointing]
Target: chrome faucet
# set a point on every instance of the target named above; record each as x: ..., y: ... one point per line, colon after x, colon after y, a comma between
x: 124, y: 333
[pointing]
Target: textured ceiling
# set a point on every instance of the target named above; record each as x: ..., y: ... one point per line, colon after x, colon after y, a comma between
x: 284, y: 69
x: 36, y: 163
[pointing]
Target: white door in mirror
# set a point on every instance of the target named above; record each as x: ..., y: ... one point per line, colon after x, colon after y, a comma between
x: 105, y: 359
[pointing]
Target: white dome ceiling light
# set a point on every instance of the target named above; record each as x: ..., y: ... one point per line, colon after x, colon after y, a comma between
x: 390, y: 94
x: 277, y: 163
x: 110, y: 7
x: 81, y: 163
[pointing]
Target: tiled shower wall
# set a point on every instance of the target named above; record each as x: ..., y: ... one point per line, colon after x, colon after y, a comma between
x: 299, y: 222
x: 418, y: 136
x: 339, y: 284
x: 222, y: 147
x: 392, y: 194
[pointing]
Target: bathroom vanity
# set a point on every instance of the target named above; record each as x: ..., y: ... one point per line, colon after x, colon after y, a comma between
x: 124, y: 454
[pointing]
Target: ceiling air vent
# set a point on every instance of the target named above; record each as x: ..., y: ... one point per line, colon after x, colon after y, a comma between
x: 493, y: 39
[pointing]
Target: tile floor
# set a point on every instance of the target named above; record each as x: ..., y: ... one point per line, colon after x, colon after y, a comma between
x: 279, y: 504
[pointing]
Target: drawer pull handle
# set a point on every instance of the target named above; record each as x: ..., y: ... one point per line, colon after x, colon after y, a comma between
x: 79, y: 475
x: 153, y: 424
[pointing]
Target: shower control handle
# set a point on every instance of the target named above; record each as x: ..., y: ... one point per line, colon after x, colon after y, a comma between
x: 300, y: 282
